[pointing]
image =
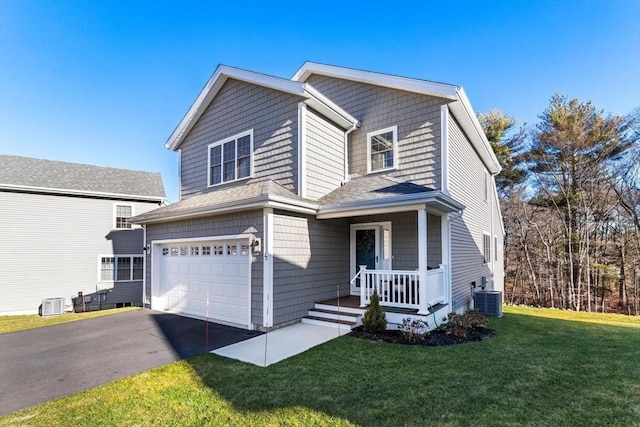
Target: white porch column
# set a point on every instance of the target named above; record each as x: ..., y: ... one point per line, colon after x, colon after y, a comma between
x: 267, y: 265
x: 422, y: 259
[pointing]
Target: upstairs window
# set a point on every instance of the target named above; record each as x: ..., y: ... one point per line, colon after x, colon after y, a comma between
x: 382, y: 149
x: 122, y: 215
x: 231, y: 158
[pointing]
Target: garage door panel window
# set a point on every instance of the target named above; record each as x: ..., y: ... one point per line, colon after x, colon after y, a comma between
x: 195, y: 250
x: 121, y: 268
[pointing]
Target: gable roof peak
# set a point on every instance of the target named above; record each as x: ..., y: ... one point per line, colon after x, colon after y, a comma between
x: 225, y: 72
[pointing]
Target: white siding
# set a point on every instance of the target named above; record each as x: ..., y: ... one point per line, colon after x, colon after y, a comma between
x: 49, y: 247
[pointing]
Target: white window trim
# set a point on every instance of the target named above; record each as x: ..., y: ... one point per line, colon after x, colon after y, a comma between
x: 393, y: 129
x: 486, y: 260
x: 115, y: 267
x: 115, y: 213
x: 221, y: 143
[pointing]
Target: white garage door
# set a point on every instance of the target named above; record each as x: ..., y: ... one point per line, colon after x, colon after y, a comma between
x: 204, y: 279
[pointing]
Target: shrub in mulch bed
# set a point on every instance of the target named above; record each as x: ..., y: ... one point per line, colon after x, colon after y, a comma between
x: 434, y: 338
x: 461, y: 328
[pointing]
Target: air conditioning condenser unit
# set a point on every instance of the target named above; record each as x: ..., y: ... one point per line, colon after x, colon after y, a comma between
x: 488, y: 302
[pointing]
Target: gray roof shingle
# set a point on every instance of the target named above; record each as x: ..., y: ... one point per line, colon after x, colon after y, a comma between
x: 371, y: 187
x: 27, y: 172
x: 222, y: 200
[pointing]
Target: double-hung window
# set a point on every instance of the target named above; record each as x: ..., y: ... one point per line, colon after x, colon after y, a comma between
x: 382, y: 149
x: 121, y: 268
x: 231, y: 158
x: 122, y: 213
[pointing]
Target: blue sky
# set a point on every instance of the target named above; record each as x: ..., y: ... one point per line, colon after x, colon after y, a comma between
x: 106, y: 82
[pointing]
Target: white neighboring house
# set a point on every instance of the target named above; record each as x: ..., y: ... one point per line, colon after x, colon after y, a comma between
x: 64, y: 229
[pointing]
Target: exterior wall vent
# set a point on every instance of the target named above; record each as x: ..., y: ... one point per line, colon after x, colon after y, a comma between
x: 488, y: 302
x: 52, y: 306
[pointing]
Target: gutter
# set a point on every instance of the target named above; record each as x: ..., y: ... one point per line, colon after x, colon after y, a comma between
x: 79, y: 193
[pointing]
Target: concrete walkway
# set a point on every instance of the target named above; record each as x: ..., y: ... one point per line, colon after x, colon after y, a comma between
x: 280, y: 344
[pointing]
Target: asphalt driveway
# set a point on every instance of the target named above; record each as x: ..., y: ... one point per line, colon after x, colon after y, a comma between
x: 43, y: 364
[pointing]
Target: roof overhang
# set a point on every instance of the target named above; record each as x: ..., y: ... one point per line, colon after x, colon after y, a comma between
x: 434, y: 201
x: 79, y: 193
x: 259, y: 202
x: 310, y: 96
x: 459, y: 103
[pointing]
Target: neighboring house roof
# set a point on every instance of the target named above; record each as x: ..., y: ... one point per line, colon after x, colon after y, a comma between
x: 49, y: 176
x: 310, y: 95
x: 370, y: 194
x: 460, y: 105
x: 233, y: 199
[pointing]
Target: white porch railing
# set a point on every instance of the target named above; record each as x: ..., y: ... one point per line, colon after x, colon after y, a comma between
x: 401, y: 288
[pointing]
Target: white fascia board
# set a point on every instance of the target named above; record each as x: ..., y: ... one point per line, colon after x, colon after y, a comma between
x: 213, y: 86
x: 67, y: 192
x: 467, y: 118
x: 328, y: 108
x: 436, y: 201
x: 440, y: 90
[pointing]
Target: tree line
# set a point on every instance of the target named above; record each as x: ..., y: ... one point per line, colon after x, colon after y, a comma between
x: 570, y: 199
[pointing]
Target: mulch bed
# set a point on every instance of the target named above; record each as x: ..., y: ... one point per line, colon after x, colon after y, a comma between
x: 433, y: 338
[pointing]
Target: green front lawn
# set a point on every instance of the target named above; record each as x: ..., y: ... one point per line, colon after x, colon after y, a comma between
x: 21, y: 323
x: 539, y: 370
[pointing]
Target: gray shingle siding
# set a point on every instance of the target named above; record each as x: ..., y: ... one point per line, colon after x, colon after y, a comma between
x: 51, y: 244
x: 238, y: 223
x: 311, y: 258
x: 325, y: 155
x: 417, y: 117
x: 466, y: 182
x: 238, y: 107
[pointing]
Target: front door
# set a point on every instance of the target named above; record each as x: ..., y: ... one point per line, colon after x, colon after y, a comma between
x: 366, y: 251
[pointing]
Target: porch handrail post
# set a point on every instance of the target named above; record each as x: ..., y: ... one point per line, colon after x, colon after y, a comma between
x: 363, y: 285
x: 422, y: 261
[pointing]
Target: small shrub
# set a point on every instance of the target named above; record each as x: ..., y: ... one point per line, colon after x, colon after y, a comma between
x: 374, y: 319
x: 460, y: 324
x: 413, y: 330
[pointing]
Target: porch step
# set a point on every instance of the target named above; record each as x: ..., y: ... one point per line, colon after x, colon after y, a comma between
x: 332, y: 323
x: 334, y: 314
x: 342, y: 309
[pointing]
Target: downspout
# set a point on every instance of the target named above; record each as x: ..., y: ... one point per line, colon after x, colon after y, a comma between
x: 346, y: 150
x: 144, y: 265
